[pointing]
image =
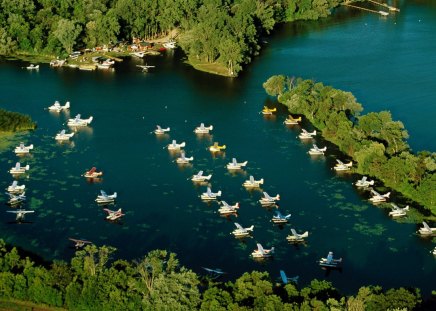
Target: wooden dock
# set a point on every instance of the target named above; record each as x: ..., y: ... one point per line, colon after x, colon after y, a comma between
x: 382, y: 13
x: 391, y: 8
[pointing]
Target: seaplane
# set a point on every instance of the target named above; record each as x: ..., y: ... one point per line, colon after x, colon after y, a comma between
x: 377, y: 197
x: 146, y: 67
x: 398, y: 212
x: 209, y: 195
x: 175, y: 146
x: 295, y: 237
x: 286, y: 280
x: 138, y: 54
x: 15, y: 199
x: 315, y: 150
x: 433, y: 252
x: 217, y: 148
x: 32, y: 67
x: 252, y: 183
x: 169, y: 44
x: 18, y: 169
x: 241, y: 232
x: 262, y: 253
x: 57, y: 107
x: 63, y: 136
x: 161, y: 131
x: 364, y: 182
x: 79, y: 243
x: 78, y: 122
x: 14, y: 188
x: 268, y: 200
x: 21, y: 149
x: 203, y: 129
x: 280, y: 219
x: 113, y: 215
x: 92, y: 173
x: 183, y: 159
x: 341, y: 166
x: 20, y: 214
x: 330, y: 262
x: 214, y: 273
x: 306, y: 135
x: 199, y: 177
x: 226, y: 209
x: 426, y: 230
x: 234, y: 165
x: 290, y: 120
x: 104, y: 198
x: 268, y: 111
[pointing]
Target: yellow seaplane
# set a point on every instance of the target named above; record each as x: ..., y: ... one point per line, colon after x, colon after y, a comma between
x: 290, y: 120
x: 268, y: 111
x: 217, y: 148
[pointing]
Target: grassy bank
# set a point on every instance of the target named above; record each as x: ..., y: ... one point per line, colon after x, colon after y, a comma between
x: 213, y: 68
x: 17, y: 305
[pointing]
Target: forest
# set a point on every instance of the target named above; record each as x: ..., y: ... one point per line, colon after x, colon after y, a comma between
x: 374, y: 140
x: 15, y: 122
x: 226, y: 32
x: 94, y: 281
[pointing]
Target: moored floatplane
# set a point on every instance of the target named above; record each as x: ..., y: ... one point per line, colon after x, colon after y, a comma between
x: 315, y: 150
x: 330, y: 262
x: 217, y: 148
x: 161, y: 131
x: 295, y: 237
x: 183, y: 159
x: 426, y: 230
x: 203, y: 129
x: 32, y: 67
x: 79, y: 122
x: 377, y: 197
x: 104, y: 198
x: 63, y: 136
x: 113, y: 215
x: 199, y: 177
x: 174, y: 146
x: 306, y: 135
x: 286, y: 280
x: 92, y: 173
x: 214, y: 273
x: 364, y: 182
x: 14, y: 188
x: 20, y: 214
x: 261, y: 253
x: 79, y: 243
x: 18, y: 169
x: 15, y: 199
x: 57, y: 107
x: 290, y: 120
x: 21, y: 149
x: 268, y: 111
x: 169, y: 44
x: 226, y: 209
x: 234, y: 165
x: 252, y: 183
x: 397, y: 211
x: 241, y: 232
x: 138, y: 54
x: 280, y: 219
x: 209, y: 195
x: 341, y: 166
x: 145, y: 68
x: 268, y: 200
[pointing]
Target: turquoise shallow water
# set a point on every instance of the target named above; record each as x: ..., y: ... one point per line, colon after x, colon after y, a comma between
x: 388, y: 63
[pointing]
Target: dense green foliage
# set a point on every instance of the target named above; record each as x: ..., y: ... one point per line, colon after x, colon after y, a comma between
x: 374, y: 140
x: 14, y: 122
x: 222, y: 31
x: 157, y: 282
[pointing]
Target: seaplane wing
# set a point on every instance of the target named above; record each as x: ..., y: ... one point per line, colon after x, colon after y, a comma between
x: 395, y: 207
x: 103, y: 193
x: 426, y: 226
x: 217, y: 271
x: 239, y: 226
x: 375, y: 193
x: 208, y: 191
x: 79, y: 241
x: 267, y: 196
x: 339, y: 162
x: 294, y: 233
x: 21, y: 212
x: 225, y: 204
x: 304, y: 131
x: 284, y: 277
x: 364, y: 178
x: 260, y: 248
x: 199, y: 174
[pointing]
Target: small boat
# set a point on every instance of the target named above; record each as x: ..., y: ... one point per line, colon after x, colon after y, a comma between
x: 398, y: 212
x: 175, y: 146
x: 306, y: 135
x: 57, y: 62
x: 426, y: 230
x: 21, y: 149
x: 209, y: 195
x: 183, y: 159
x: 92, y: 173
x: 217, y: 148
x: 56, y: 107
x: 280, y: 219
x: 290, y: 120
x: 113, y: 215
x: 161, y: 131
x: 341, y: 166
x: 377, y: 197
x: 138, y: 54
x: 262, y: 253
x: 295, y: 237
x: 315, y: 150
x: 241, y: 232
x: 63, y: 136
x: 104, y: 198
x: 20, y: 214
x: 234, y: 165
x: 364, y: 182
x: 169, y: 44
x: 14, y: 188
x: 18, y: 169
x: 32, y: 67
x: 330, y: 262
x: 199, y: 177
x: 203, y: 129
x: 78, y: 122
x: 268, y: 111
x: 226, y: 209
x: 252, y: 183
x: 268, y: 200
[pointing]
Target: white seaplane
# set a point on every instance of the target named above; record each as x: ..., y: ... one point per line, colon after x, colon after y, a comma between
x: 171, y: 44
x: 21, y: 149
x: 161, y: 131
x: 145, y: 67
x: 199, y: 177
x: 226, y: 209
x: 183, y: 159
x: 364, y: 182
x: 32, y: 67
x: 241, y: 232
x: 20, y: 214
x: 234, y: 165
x: 79, y: 243
x: 295, y: 237
x: 214, y: 273
x: 398, y: 212
x: 267, y: 200
x: 203, y: 129
x: 268, y: 111
x: 18, y: 169
x: 104, y: 198
x: 209, y: 195
x: 330, y: 262
x: 92, y: 173
x: 280, y: 219
x: 341, y: 166
x: 290, y: 120
x: 426, y: 230
x: 306, y: 135
x: 286, y: 280
x: 14, y: 188
x: 113, y: 215
x: 377, y: 197
x: 63, y: 136
x: 57, y: 107
x: 217, y: 148
x: 174, y: 146
x: 138, y: 54
x: 262, y: 253
x: 252, y: 183
x: 79, y: 122
x: 15, y: 199
x: 315, y: 150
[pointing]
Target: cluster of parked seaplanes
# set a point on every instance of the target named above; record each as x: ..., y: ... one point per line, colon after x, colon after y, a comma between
x: 161, y: 131
x: 295, y: 237
x: 377, y: 197
x: 20, y: 214
x: 315, y: 150
x: 306, y: 135
x: 268, y: 111
x: 426, y: 230
x: 199, y: 177
x: 364, y: 182
x: 330, y: 262
x: 92, y: 173
x: 280, y: 219
x: 22, y: 149
x: 290, y: 120
x: 183, y: 159
x: 397, y: 211
x: 57, y: 107
x: 113, y: 215
x: 18, y: 169
x: 227, y: 210
x: 261, y: 253
x: 251, y: 183
x: 209, y: 195
x: 267, y: 200
x: 234, y: 165
x: 79, y: 122
x: 16, y: 199
x: 216, y: 147
x: 104, y: 198
x: 341, y: 166
x: 174, y: 146
x: 241, y: 232
x: 203, y: 129
x: 14, y: 188
x: 63, y: 136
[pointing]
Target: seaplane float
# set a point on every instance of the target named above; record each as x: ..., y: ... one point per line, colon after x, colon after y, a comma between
x: 92, y: 173
x: 217, y: 148
x: 15, y: 199
x: 306, y: 135
x: 295, y: 237
x: 183, y: 159
x: 290, y: 120
x: 113, y: 215
x: 234, y: 165
x: 426, y: 231
x: 377, y: 197
x: 268, y: 200
x: 241, y: 232
x: 398, y: 212
x: 145, y: 67
x: 364, y: 182
x: 203, y: 129
x: 57, y: 107
x: 21, y: 149
x: 32, y: 67
x: 315, y: 150
x: 199, y: 177
x: 261, y: 253
x: 268, y: 111
x: 280, y: 219
x: 341, y: 166
x: 174, y: 146
x: 330, y: 262
x: 209, y: 195
x: 104, y: 198
x: 226, y: 209
x: 63, y: 136
x: 79, y: 243
x: 161, y: 131
x: 78, y: 122
x: 20, y: 214
x: 14, y: 188
x: 18, y: 169
x: 252, y: 183
x: 286, y: 280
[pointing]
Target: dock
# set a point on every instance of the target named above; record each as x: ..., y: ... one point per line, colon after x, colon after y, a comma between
x: 391, y: 8
x: 382, y: 13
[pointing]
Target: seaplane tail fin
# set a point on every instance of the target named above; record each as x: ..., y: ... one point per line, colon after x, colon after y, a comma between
x: 371, y: 182
x: 27, y: 167
x: 272, y: 250
x: 261, y: 181
x: 31, y: 146
x: 251, y: 228
x: 208, y: 177
x: 211, y: 127
x: 305, y: 234
x: 183, y: 144
x: 245, y: 163
x: 278, y: 197
x: 387, y: 195
x: 67, y: 105
x: 314, y: 132
x: 218, y: 193
x: 114, y: 195
x: 90, y: 119
x: 406, y: 208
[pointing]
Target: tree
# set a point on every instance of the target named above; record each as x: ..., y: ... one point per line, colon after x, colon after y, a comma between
x: 275, y: 85
x: 67, y: 32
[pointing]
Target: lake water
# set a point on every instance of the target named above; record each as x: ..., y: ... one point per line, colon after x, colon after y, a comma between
x: 388, y: 63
